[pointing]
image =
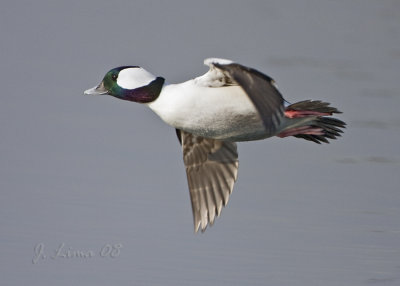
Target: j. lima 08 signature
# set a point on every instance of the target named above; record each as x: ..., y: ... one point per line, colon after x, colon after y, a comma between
x: 64, y: 251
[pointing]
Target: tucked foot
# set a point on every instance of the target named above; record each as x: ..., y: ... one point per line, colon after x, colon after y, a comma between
x: 319, y: 127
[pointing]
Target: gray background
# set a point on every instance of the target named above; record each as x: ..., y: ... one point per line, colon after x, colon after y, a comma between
x: 90, y: 171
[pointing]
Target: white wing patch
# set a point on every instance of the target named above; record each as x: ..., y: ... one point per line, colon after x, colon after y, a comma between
x: 131, y: 78
x: 214, y: 77
x: 210, y: 61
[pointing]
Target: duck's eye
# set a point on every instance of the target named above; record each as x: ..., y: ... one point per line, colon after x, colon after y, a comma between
x: 114, y: 77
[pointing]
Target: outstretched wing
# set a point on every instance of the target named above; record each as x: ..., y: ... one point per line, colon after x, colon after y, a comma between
x: 259, y: 87
x: 211, y: 169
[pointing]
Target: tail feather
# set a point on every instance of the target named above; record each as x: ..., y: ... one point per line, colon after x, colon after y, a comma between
x: 317, y: 112
x: 313, y: 105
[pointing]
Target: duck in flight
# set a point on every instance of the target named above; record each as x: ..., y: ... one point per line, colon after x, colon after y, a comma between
x: 228, y: 104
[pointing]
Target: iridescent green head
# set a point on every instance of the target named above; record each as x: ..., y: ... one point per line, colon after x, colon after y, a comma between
x: 131, y: 83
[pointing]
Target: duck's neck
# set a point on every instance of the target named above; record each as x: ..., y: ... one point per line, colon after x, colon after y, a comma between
x: 144, y: 94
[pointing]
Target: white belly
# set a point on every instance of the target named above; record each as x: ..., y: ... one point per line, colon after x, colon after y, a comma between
x: 222, y: 113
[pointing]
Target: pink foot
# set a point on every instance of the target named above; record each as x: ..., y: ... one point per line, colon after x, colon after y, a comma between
x: 301, y: 130
x: 304, y: 113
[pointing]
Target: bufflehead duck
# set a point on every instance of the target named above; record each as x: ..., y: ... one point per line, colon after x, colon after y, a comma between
x: 228, y: 104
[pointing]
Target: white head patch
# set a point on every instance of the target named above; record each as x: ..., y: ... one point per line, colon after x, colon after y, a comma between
x: 131, y: 78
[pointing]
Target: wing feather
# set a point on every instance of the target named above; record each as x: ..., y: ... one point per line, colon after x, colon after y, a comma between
x: 260, y: 89
x: 211, y: 169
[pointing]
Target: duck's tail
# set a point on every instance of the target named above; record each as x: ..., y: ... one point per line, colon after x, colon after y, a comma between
x: 309, y: 119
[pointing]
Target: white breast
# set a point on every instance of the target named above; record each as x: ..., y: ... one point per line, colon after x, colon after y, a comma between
x: 220, y: 113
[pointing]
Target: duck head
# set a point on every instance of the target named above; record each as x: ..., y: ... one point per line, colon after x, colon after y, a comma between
x: 131, y: 83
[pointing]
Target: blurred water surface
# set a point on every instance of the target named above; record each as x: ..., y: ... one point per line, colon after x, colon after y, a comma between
x: 93, y: 189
